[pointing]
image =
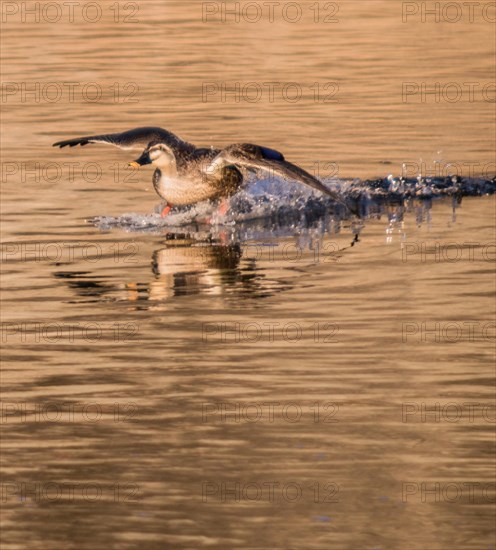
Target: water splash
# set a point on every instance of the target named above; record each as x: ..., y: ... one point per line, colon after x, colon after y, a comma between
x: 274, y: 207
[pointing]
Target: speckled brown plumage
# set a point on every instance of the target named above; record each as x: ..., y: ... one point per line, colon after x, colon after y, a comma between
x: 194, y: 174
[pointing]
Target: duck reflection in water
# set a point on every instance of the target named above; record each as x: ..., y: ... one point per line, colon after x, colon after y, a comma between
x: 247, y: 261
x: 211, y: 269
x: 235, y: 263
x: 215, y: 270
x: 231, y: 262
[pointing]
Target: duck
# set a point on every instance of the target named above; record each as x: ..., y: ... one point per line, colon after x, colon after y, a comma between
x: 186, y: 174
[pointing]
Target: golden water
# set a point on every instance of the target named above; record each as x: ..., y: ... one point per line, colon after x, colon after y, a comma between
x: 134, y: 368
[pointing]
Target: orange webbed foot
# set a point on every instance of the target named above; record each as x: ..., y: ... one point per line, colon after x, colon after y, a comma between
x: 223, y: 207
x: 166, y: 210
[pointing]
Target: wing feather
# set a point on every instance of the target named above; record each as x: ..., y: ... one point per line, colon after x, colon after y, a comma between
x: 136, y: 139
x: 252, y: 156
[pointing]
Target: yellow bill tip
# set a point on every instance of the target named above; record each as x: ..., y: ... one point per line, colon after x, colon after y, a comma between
x: 134, y: 164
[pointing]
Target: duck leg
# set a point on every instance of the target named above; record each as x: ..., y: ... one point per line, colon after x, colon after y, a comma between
x: 221, y: 210
x: 166, y: 210
x: 223, y: 207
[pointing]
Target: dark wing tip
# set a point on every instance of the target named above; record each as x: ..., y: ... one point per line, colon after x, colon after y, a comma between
x: 71, y: 143
x: 271, y: 154
x: 257, y: 151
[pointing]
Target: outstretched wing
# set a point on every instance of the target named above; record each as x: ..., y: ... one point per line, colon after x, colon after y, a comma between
x: 262, y: 158
x: 138, y: 138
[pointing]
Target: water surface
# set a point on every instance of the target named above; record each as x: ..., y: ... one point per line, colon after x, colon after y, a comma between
x: 317, y: 382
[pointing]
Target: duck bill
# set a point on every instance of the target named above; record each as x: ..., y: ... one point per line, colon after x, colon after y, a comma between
x: 142, y: 161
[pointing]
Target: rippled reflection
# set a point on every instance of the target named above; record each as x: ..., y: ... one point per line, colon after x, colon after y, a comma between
x: 149, y: 336
x: 222, y: 260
